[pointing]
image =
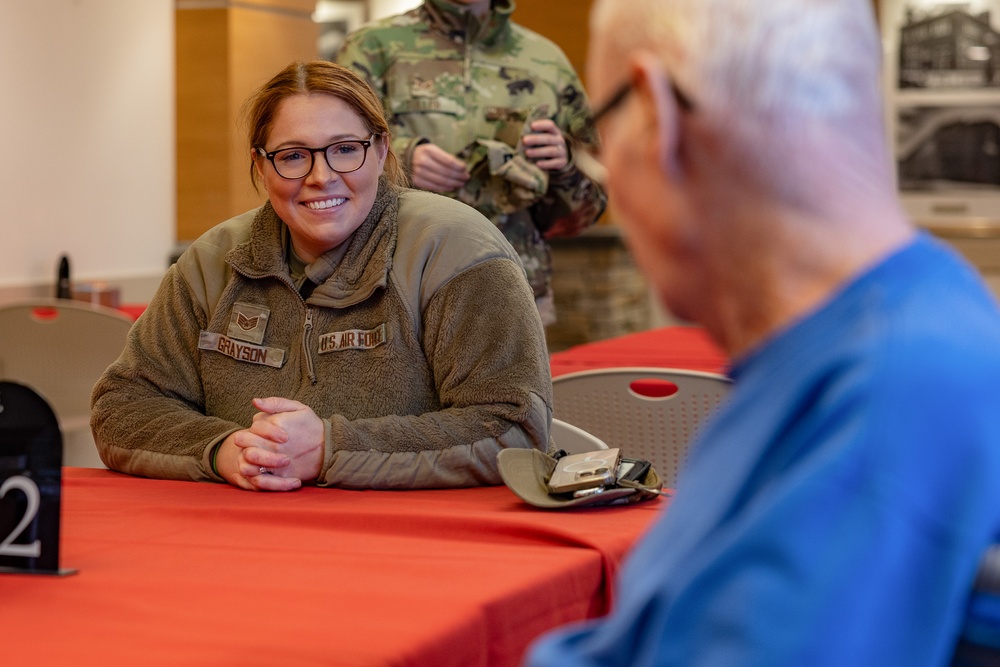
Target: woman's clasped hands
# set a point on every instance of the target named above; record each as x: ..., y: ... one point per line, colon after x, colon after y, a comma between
x: 282, y: 449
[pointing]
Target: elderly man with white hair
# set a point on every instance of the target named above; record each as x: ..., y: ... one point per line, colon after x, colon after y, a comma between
x: 835, y: 511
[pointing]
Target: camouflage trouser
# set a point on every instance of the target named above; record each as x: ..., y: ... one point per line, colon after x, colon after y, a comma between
x: 546, y: 309
x: 503, y: 185
x: 519, y: 228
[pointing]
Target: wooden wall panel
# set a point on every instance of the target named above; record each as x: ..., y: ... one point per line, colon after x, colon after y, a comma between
x: 202, y: 50
x: 262, y: 44
x: 223, y: 54
x: 565, y: 22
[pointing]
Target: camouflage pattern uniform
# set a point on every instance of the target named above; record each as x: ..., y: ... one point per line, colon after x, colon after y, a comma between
x: 471, y: 87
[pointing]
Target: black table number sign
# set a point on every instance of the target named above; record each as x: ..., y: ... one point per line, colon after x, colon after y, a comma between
x: 30, y: 483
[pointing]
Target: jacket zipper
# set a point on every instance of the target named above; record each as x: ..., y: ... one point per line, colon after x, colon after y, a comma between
x: 310, y: 369
x: 467, y: 77
x: 468, y: 67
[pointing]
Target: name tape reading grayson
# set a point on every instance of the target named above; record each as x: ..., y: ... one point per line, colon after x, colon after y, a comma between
x: 254, y: 354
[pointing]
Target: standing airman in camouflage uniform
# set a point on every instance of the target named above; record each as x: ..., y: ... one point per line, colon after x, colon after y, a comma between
x: 481, y: 109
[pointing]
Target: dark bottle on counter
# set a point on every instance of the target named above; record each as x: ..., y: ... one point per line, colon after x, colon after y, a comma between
x: 64, y: 288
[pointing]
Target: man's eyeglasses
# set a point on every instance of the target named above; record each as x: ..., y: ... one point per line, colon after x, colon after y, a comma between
x: 590, y: 163
x: 683, y: 101
x: 342, y: 157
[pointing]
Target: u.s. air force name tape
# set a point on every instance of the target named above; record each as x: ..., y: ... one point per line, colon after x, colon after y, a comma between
x: 352, y: 339
x: 254, y: 354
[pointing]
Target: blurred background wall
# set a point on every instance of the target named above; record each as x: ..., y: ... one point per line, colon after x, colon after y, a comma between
x: 121, y: 140
x: 87, y: 159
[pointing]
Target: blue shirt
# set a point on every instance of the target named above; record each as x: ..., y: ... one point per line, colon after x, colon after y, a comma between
x: 835, y: 511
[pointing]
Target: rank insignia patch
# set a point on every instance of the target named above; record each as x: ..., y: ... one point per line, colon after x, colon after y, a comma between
x: 248, y: 322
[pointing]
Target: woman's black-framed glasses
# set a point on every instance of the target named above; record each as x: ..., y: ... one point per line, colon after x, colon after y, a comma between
x: 342, y: 157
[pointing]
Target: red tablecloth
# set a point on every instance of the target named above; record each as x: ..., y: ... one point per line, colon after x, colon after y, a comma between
x: 133, y: 310
x: 186, y: 573
x: 666, y: 347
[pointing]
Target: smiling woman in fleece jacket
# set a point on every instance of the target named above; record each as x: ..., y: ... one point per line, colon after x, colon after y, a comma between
x: 349, y: 332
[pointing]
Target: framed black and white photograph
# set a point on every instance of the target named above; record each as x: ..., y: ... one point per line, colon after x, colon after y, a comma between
x: 948, y: 45
x: 942, y: 80
x: 948, y: 148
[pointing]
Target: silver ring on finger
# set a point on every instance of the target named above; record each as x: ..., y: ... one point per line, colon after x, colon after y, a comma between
x: 264, y: 471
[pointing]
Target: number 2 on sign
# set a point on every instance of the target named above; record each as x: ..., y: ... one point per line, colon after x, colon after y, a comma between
x: 30, y: 489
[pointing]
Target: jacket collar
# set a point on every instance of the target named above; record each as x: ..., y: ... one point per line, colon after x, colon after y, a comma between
x: 458, y: 25
x: 363, y: 268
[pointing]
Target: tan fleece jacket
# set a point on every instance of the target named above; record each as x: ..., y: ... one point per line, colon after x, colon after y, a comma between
x: 423, y: 352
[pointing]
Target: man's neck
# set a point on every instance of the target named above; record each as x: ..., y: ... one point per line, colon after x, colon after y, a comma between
x: 803, y: 264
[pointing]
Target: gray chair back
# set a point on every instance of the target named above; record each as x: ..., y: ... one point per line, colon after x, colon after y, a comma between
x: 60, y: 348
x: 649, y: 413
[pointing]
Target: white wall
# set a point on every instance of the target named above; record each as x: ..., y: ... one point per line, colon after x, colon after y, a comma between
x: 86, y: 141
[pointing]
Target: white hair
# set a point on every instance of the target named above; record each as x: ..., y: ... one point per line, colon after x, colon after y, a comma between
x: 781, y: 78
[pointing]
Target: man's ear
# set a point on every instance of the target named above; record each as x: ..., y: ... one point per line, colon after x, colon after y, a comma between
x: 661, y: 113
